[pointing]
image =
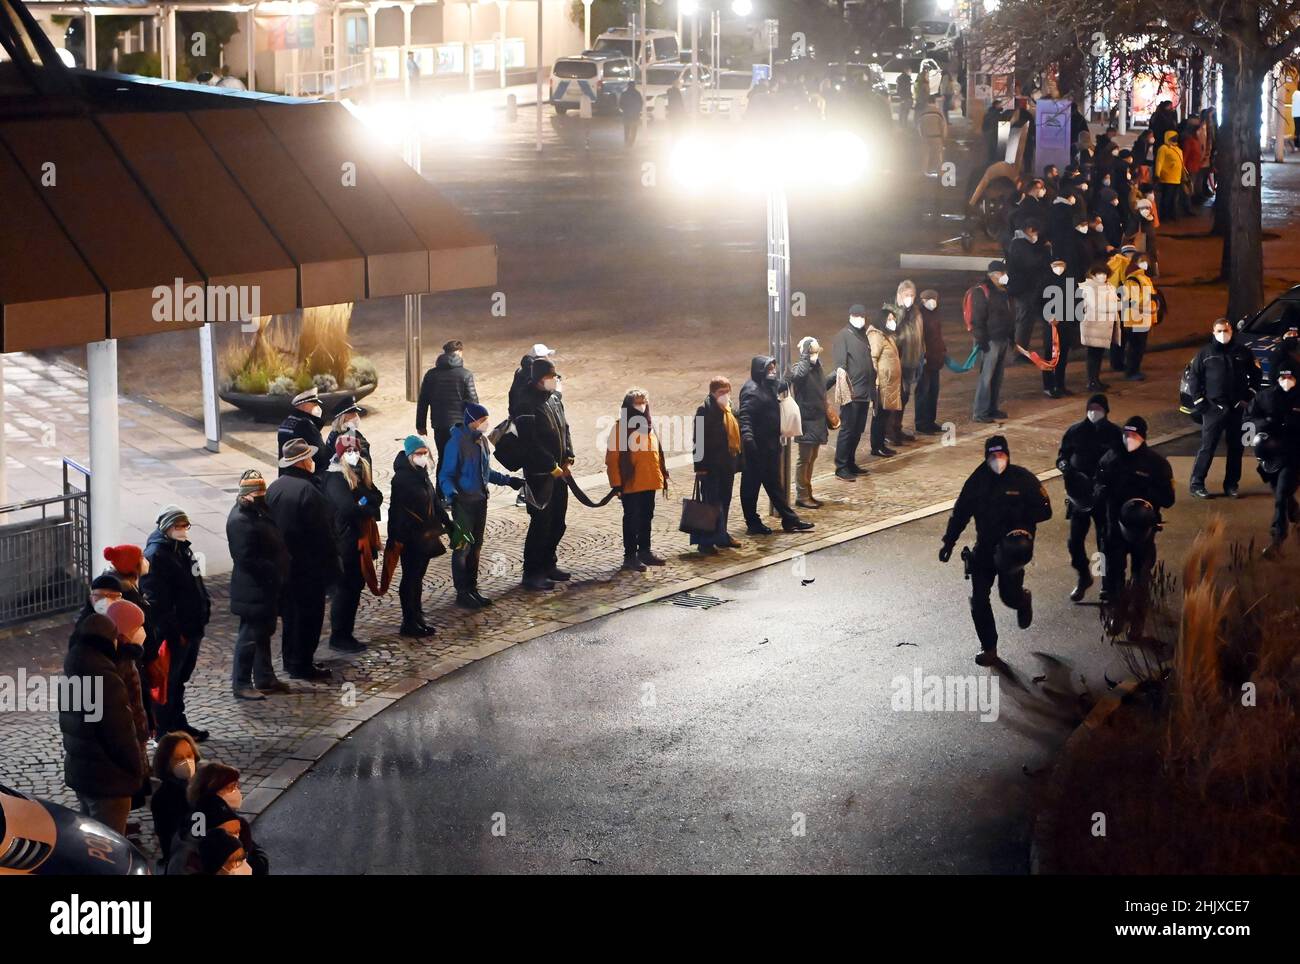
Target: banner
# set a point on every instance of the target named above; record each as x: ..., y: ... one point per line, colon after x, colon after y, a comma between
x: 288, y: 33
x: 1052, y: 134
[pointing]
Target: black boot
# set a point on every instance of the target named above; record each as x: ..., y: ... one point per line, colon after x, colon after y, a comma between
x: 1080, y: 587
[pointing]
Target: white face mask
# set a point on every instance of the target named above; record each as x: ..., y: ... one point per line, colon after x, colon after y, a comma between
x: 1095, y: 415
x: 722, y: 400
x: 1099, y: 279
x: 640, y: 408
x: 183, y: 769
x: 814, y: 356
x: 240, y: 869
x: 1142, y: 265
x: 101, y: 606
x: 549, y: 384
x: 1003, y: 278
x: 1132, y: 442
x: 1223, y: 337
x: 1058, y: 269
x: 316, y: 411
x: 858, y: 323
x: 234, y: 799
x: 891, y: 324
x: 906, y: 302
x: 998, y: 463
x: 1145, y: 213
x: 1286, y: 384
x: 420, y: 461
x: 930, y: 304
x: 180, y: 535
x: 1081, y: 228
x: 352, y: 458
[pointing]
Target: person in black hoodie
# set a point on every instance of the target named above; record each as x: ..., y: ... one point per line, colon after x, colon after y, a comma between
x: 719, y: 455
x: 174, y: 763
x: 306, y: 521
x: 101, y: 763
x: 1223, y: 378
x: 258, y: 579
x: 1112, y: 219
x: 445, y: 391
x: 851, y: 353
x: 350, y: 489
x: 305, y: 422
x: 1082, y: 446
x: 1133, y: 481
x: 539, y: 418
x: 1005, y: 500
x: 414, y: 522
x: 180, y: 607
x: 1276, y: 414
x: 760, y: 433
x: 1028, y: 273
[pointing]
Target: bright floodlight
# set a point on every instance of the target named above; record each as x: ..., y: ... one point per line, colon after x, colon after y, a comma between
x: 742, y: 8
x: 844, y: 157
x: 688, y: 8
x: 991, y: 6
x: 945, y: 5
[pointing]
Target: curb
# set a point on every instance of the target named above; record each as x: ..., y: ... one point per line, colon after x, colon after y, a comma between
x: 1042, y: 858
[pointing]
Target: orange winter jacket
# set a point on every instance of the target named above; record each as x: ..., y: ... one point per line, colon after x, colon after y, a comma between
x: 641, y: 452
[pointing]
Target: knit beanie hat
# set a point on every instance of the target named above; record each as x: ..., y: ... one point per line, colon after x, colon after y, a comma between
x: 252, y: 483
x: 169, y: 516
x: 413, y: 444
x: 1099, y: 399
x: 996, y: 443
x: 474, y: 412
x: 125, y: 559
x: 1137, y: 425
x: 107, y: 581
x: 347, y: 442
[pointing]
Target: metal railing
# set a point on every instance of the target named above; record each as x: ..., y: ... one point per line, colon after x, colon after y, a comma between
x: 45, y: 551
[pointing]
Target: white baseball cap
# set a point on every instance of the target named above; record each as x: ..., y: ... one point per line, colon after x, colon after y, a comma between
x: 541, y: 351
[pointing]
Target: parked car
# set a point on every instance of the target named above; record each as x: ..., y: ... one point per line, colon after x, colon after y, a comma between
x: 894, y: 68
x: 889, y: 43
x: 869, y: 75
x: 663, y: 45
x: 600, y: 75
x: 936, y: 34
x: 731, y: 96
x: 1263, y: 330
x: 40, y: 837
x: 662, y: 76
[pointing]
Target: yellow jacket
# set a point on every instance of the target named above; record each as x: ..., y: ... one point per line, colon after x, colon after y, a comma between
x: 643, y: 452
x: 1138, y: 301
x: 1169, y: 160
x: 1118, y: 265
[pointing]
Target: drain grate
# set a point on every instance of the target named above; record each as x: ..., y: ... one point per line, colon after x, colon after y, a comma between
x: 693, y: 601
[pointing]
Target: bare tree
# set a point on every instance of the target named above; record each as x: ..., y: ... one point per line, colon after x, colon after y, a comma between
x: 1246, y: 38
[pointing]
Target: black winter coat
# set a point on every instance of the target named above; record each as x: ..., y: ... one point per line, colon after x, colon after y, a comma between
x: 178, y: 600
x: 1084, y: 443
x: 444, y: 392
x: 413, y: 516
x: 1224, y: 375
x: 991, y: 316
x: 171, y: 813
x: 306, y: 427
x: 306, y: 522
x: 999, y: 503
x: 261, y: 561
x: 1028, y: 267
x: 808, y: 385
x: 760, y: 409
x: 1277, y: 414
x: 852, y: 352
x: 1143, y: 474
x: 713, y: 454
x: 543, y: 430
x: 350, y: 514
x: 101, y: 758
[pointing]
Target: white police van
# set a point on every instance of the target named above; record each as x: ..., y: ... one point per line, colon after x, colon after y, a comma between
x: 596, y: 75
x: 661, y: 45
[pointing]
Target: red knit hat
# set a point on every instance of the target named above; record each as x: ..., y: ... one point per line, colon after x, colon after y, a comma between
x: 346, y: 442
x: 124, y: 559
x: 126, y: 616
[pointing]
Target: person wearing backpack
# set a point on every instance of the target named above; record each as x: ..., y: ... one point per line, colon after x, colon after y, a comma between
x: 1140, y: 312
x: 991, y: 322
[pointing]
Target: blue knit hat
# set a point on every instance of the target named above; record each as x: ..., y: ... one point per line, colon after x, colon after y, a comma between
x: 413, y: 444
x: 474, y: 412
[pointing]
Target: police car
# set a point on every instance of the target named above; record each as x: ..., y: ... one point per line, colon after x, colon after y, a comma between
x: 661, y: 45
x: 596, y: 75
x: 39, y: 837
x: 1262, y: 331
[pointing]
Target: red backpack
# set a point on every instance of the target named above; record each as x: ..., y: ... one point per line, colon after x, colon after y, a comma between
x: 968, y: 303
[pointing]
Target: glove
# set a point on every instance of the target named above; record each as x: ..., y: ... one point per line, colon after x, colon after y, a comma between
x: 516, y: 483
x: 945, y: 553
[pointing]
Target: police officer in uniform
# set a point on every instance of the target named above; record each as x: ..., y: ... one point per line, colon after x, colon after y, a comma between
x: 1135, y: 483
x: 1008, y: 502
x: 305, y: 422
x: 1276, y: 414
x: 1082, y: 447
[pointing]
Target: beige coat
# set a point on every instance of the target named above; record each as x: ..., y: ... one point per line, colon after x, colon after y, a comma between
x: 889, y: 369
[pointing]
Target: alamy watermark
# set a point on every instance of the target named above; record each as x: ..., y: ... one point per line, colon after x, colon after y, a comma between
x: 180, y: 301
x: 921, y: 693
x: 37, y: 693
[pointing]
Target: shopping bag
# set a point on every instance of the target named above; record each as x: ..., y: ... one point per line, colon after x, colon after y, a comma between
x: 791, y: 422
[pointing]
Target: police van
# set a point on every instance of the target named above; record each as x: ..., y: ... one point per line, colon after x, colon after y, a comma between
x: 596, y: 75
x: 661, y: 45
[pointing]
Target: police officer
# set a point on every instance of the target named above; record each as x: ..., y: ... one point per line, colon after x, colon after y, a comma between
x: 1276, y: 414
x: 1008, y: 502
x: 1082, y: 447
x: 305, y: 422
x: 1135, y: 483
x: 1223, y: 377
x: 1286, y: 353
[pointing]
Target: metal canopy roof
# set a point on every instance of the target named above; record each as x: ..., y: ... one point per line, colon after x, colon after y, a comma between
x: 115, y: 187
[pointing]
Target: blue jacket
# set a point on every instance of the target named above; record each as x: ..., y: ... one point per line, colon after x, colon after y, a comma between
x: 465, y: 466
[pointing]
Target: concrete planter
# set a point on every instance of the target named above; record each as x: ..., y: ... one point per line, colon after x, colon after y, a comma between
x: 273, y: 408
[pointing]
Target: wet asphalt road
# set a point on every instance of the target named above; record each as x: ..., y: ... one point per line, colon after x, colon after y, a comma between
x: 667, y: 739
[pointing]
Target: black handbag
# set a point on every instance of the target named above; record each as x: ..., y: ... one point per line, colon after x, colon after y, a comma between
x: 699, y: 518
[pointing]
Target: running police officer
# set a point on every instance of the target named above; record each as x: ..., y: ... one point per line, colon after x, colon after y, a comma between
x: 1135, y: 483
x: 1082, y: 447
x: 1275, y: 413
x: 1008, y: 502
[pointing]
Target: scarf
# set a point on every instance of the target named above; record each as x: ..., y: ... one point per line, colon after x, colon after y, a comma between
x: 733, y: 430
